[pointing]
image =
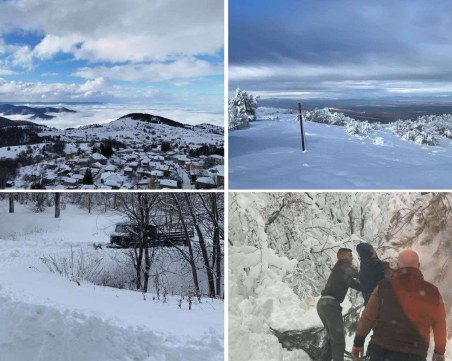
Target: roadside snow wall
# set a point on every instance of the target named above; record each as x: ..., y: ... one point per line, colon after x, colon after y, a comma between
x: 43, y: 333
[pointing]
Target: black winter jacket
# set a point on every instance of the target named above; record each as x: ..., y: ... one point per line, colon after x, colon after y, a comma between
x: 371, y: 272
x: 343, y: 275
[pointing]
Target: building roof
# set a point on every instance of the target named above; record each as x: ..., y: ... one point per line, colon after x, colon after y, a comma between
x: 205, y: 180
x: 168, y: 183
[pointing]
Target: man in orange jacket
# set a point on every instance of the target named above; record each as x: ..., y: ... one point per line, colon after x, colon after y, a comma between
x: 405, y: 308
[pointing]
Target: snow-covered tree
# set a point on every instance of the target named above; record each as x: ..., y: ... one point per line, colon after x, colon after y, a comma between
x: 358, y: 128
x: 242, y: 109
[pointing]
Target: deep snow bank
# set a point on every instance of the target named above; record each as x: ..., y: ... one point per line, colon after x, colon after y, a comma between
x: 43, y: 333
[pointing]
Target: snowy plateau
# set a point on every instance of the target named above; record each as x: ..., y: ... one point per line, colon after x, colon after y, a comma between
x: 282, y: 247
x: 360, y: 155
x: 47, y: 317
x: 148, y: 151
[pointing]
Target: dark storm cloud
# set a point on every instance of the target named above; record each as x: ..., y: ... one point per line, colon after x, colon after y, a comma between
x: 307, y: 45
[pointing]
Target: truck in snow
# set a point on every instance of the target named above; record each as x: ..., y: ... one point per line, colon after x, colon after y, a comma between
x: 127, y: 235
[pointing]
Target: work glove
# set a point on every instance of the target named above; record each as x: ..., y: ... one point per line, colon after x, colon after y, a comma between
x: 437, y: 357
x: 357, y: 353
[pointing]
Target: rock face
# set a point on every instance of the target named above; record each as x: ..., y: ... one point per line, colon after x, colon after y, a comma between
x: 35, y: 112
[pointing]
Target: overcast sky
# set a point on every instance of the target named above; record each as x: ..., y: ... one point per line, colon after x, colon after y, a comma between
x: 341, y: 48
x: 121, y: 51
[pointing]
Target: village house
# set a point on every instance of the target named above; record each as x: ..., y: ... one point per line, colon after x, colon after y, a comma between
x: 168, y: 184
x: 205, y: 183
x: 97, y: 157
x: 216, y: 159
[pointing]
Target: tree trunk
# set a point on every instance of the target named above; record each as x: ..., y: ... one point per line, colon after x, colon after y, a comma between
x: 138, y: 267
x: 11, y: 203
x: 191, y: 260
x: 202, y: 245
x: 217, y: 246
x: 147, y: 267
x: 57, y: 204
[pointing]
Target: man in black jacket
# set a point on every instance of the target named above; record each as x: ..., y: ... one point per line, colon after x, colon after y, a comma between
x: 342, y: 277
x: 371, y: 269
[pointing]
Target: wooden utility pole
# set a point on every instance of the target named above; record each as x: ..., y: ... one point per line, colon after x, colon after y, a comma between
x: 57, y: 204
x: 11, y: 202
x: 303, y: 148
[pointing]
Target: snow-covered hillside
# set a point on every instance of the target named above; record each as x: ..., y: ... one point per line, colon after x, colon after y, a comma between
x: 149, y: 152
x: 268, y: 155
x: 127, y: 129
x: 283, y: 246
x: 47, y: 317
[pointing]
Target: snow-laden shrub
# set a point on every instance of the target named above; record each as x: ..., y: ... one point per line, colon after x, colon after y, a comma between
x: 325, y: 116
x: 242, y: 109
x: 425, y: 129
x: 358, y: 128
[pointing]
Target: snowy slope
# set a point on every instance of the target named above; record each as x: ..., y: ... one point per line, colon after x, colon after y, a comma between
x: 138, y: 131
x: 268, y: 156
x: 47, y: 317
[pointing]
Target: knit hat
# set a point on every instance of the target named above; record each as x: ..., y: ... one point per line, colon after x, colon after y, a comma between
x: 364, y: 250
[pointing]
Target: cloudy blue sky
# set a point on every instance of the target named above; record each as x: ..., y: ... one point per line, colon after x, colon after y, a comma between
x: 159, y: 51
x: 341, y: 48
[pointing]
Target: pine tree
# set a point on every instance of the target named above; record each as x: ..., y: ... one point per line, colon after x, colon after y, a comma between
x: 88, y: 177
x: 242, y: 109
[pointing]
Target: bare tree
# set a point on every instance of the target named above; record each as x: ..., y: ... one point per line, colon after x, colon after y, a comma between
x: 212, y: 203
x: 140, y: 208
x: 189, y: 257
x: 202, y: 243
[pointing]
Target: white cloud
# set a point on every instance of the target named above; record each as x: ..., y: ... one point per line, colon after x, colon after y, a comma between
x: 19, y: 90
x: 97, y: 84
x: 21, y: 56
x: 187, y: 68
x: 5, y: 71
x: 117, y: 30
x: 16, y: 56
x: 52, y: 45
x: 50, y: 74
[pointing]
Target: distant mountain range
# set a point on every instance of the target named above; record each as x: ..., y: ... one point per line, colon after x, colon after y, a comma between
x: 35, y: 112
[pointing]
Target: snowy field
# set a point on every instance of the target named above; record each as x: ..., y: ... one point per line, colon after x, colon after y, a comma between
x: 46, y: 317
x: 87, y: 114
x: 268, y: 156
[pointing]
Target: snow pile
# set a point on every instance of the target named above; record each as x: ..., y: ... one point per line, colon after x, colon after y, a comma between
x: 43, y: 333
x: 261, y: 299
x: 258, y: 296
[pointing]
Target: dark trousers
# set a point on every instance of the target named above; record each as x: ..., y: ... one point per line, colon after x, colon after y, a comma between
x: 377, y: 353
x: 330, y: 313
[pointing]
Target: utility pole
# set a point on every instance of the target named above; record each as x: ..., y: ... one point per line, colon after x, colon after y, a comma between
x: 301, y: 127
